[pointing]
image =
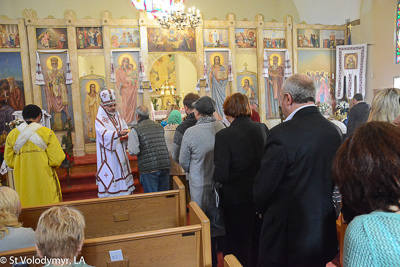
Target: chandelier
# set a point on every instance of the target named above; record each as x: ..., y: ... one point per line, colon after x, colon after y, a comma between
x: 178, y: 19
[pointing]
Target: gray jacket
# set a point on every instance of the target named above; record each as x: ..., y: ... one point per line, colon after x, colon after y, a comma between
x: 197, y: 158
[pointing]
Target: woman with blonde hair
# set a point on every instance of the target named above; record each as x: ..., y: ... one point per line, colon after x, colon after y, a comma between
x: 60, y: 235
x: 12, y: 235
x: 385, y: 105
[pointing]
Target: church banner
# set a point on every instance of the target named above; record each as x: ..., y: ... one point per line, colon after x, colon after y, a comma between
x: 53, y: 73
x: 350, y: 66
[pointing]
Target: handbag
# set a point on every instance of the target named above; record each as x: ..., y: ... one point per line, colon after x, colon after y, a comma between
x: 215, y: 212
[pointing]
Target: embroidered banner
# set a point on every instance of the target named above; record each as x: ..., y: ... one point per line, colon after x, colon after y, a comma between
x: 350, y: 67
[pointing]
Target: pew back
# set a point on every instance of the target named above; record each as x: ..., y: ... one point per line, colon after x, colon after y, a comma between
x: 125, y: 214
x: 231, y: 261
x: 178, y: 246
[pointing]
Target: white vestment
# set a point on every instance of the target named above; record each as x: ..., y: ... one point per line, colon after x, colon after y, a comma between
x: 114, y: 176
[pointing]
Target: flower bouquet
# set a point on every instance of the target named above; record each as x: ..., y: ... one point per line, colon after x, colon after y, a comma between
x: 14, y: 123
x: 154, y: 101
x: 178, y: 99
x: 324, y: 108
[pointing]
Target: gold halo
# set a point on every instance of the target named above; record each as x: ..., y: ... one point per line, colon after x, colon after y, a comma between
x: 131, y: 60
x: 48, y: 62
x: 96, y: 84
x: 271, y: 57
x: 249, y: 78
x: 221, y: 57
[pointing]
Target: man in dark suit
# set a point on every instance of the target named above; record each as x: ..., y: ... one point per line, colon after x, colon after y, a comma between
x: 293, y: 189
x: 358, y: 114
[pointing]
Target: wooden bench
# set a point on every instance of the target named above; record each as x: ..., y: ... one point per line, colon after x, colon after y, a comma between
x: 231, y: 261
x: 341, y: 231
x: 178, y: 246
x: 125, y: 214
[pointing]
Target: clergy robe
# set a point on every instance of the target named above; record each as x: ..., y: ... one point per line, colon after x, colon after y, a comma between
x: 35, y: 178
x: 114, y: 175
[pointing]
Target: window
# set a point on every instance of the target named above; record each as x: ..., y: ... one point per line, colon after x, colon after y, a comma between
x: 398, y: 34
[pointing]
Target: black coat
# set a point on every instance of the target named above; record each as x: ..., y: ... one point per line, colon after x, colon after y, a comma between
x: 237, y: 156
x: 358, y: 115
x: 293, y: 192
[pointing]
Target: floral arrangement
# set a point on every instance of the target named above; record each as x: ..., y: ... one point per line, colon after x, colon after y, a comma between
x: 343, y: 107
x: 14, y: 123
x: 341, y: 111
x: 178, y: 99
x: 67, y: 145
x: 324, y: 108
x: 154, y: 101
x: 3, y: 138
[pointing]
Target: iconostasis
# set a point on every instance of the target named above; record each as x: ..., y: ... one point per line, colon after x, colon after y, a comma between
x: 63, y: 64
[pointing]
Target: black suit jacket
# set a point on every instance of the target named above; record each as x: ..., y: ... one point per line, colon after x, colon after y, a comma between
x: 238, y: 152
x: 293, y: 191
x: 358, y: 115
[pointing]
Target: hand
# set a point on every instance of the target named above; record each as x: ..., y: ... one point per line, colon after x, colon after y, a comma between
x: 123, y: 132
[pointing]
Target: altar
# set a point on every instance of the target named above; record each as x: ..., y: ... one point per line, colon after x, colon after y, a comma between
x: 159, y: 115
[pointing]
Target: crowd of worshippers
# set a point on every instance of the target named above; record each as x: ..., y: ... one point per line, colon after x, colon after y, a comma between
x: 269, y: 194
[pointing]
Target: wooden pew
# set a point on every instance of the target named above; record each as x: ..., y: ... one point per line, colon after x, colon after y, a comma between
x: 231, y: 261
x: 177, y: 246
x: 125, y: 214
x: 341, y: 230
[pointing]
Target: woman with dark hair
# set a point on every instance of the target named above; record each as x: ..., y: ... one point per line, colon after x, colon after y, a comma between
x: 237, y: 157
x: 366, y: 169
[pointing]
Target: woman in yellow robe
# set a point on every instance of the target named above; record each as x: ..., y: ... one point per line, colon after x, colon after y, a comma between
x: 35, y: 178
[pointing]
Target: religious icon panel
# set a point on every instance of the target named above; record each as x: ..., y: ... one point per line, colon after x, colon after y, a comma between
x: 350, y: 61
x: 9, y: 36
x: 273, y: 84
x: 308, y: 38
x: 126, y: 65
x: 12, y: 96
x: 89, y: 38
x: 90, y: 85
x: 247, y: 82
x: 125, y: 38
x: 245, y: 38
x: 56, y: 92
x: 318, y: 65
x: 332, y: 38
x: 217, y: 75
x: 51, y: 38
x: 216, y: 38
x: 163, y: 72
x: 274, y: 38
x: 172, y: 40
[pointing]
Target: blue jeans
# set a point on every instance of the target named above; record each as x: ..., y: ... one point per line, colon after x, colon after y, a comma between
x: 155, y: 181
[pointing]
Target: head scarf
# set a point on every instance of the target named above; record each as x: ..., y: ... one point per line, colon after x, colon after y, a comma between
x: 175, y: 117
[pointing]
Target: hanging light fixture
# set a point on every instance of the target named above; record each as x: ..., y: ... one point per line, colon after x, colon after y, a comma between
x: 177, y: 18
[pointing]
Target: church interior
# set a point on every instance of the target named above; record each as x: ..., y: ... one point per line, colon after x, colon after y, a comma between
x: 73, y: 50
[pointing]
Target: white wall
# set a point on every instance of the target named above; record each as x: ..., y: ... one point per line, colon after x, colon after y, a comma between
x: 329, y: 12
x: 377, y: 29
